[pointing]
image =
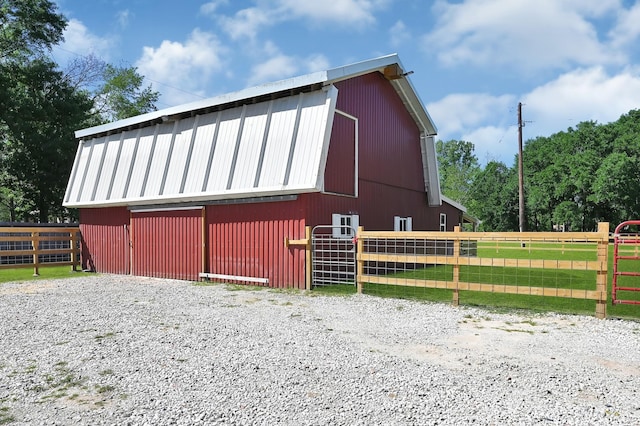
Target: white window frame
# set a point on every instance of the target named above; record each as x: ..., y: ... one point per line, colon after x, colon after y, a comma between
x: 339, y: 221
x: 402, y: 224
x: 443, y: 222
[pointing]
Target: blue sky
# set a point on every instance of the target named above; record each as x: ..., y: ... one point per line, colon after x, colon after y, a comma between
x: 567, y: 61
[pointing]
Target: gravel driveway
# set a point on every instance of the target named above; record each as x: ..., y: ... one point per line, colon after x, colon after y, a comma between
x: 125, y: 350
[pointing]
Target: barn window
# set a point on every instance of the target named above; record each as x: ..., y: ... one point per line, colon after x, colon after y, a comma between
x: 344, y: 225
x: 402, y: 224
x: 443, y: 222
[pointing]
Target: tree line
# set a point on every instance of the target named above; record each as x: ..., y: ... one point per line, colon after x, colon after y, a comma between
x: 42, y: 103
x: 572, y: 179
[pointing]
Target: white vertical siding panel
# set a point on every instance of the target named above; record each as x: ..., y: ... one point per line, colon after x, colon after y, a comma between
x: 85, y: 149
x: 159, y: 160
x: 93, y: 169
x: 249, y: 152
x: 140, y: 166
x: 283, y: 118
x: 108, y: 166
x: 200, y: 156
x: 225, y: 147
x: 313, y: 121
x: 126, y: 157
x: 178, y: 159
x: 250, y: 145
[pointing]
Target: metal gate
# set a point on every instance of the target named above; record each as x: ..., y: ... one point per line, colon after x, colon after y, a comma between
x: 626, y: 263
x: 333, y: 255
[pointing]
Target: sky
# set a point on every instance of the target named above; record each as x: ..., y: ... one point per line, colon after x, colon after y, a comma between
x: 473, y: 61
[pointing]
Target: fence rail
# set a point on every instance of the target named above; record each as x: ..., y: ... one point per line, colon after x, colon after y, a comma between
x: 557, y: 264
x: 36, y: 246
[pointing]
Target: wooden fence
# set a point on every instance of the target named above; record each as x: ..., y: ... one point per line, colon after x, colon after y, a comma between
x: 419, y: 259
x: 32, y: 247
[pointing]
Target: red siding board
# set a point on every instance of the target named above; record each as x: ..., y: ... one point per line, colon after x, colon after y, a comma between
x: 167, y: 244
x: 340, y: 168
x: 247, y: 240
x: 389, y: 140
x: 105, y: 239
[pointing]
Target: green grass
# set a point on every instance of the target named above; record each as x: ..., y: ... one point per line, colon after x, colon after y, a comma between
x: 578, y: 280
x: 46, y: 273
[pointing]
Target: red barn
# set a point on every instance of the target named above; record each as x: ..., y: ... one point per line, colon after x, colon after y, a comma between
x: 217, y: 186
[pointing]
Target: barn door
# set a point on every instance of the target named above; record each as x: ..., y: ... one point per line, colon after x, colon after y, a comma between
x: 333, y: 255
x: 167, y: 243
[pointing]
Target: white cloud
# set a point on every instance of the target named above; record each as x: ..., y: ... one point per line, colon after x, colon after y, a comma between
x: 460, y: 113
x: 276, y: 68
x: 79, y: 40
x: 210, y: 8
x: 627, y: 29
x: 182, y: 68
x: 399, y: 34
x: 317, y: 62
x: 482, y: 119
x: 248, y: 22
x: 582, y: 95
x: 123, y: 18
x: 528, y: 34
x: 489, y: 122
x: 281, y: 66
x: 359, y: 12
x: 494, y: 143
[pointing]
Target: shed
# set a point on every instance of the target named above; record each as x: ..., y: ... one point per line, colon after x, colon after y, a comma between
x: 218, y: 185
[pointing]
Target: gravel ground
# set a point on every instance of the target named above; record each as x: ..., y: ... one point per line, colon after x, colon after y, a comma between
x: 123, y: 350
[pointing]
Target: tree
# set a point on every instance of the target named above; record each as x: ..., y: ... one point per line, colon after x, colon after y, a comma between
x: 617, y: 184
x: 27, y: 27
x: 457, y: 166
x: 39, y: 146
x: 40, y: 108
x: 123, y: 95
x: 116, y: 92
x: 493, y: 197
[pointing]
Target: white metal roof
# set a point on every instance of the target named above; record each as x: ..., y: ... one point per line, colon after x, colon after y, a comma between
x: 249, y: 143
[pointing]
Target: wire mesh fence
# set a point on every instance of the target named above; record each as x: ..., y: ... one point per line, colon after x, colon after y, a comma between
x: 36, y: 246
x: 549, y: 265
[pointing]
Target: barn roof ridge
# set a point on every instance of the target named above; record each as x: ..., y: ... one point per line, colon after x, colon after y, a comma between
x: 285, y: 87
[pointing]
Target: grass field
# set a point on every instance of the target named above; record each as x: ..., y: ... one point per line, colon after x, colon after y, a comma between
x: 46, y: 273
x: 529, y: 277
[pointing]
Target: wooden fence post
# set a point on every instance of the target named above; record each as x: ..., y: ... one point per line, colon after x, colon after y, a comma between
x: 74, y: 250
x: 456, y: 266
x: 35, y: 244
x: 308, y: 254
x: 602, y: 275
x: 360, y: 262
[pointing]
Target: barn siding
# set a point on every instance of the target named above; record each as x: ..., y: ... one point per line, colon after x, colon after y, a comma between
x: 390, y: 172
x: 341, y: 160
x: 167, y: 244
x: 389, y: 140
x: 247, y: 240
x: 105, y: 239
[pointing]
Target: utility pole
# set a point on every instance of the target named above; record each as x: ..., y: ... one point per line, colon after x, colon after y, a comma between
x: 520, y: 170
